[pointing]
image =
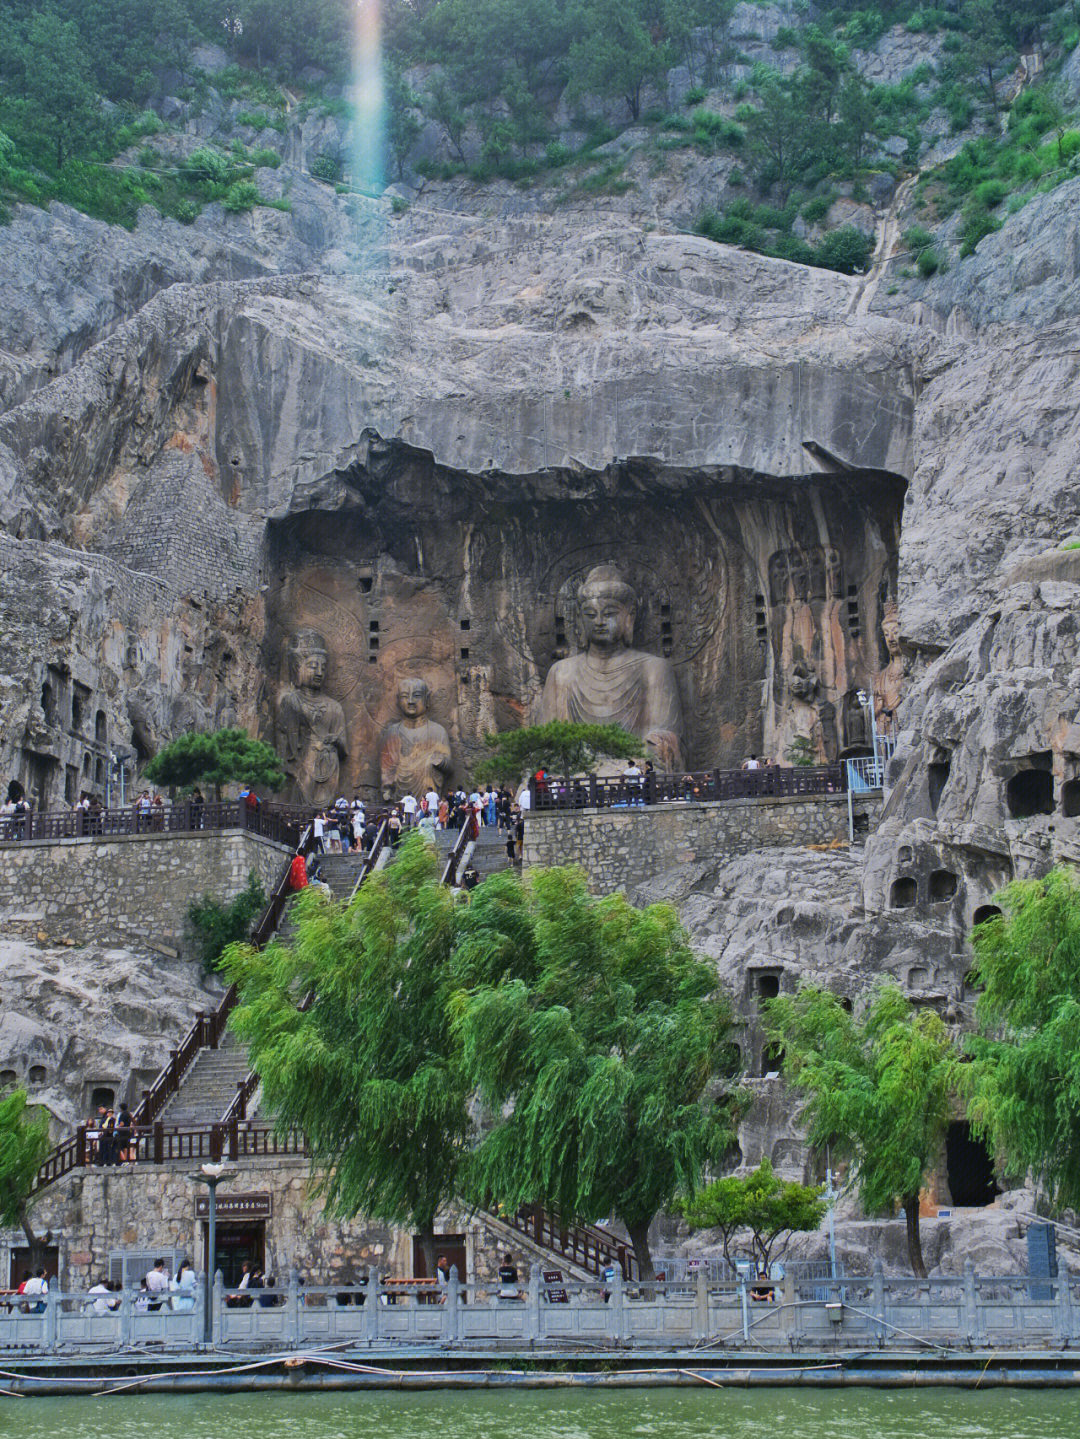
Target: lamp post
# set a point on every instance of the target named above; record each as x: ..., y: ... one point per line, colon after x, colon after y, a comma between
x: 867, y: 705
x: 211, y: 1175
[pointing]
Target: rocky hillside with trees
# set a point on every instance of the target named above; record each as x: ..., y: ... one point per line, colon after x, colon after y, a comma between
x: 779, y: 127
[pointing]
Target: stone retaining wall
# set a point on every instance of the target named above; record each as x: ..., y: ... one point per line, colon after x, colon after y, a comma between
x: 150, y: 1208
x: 132, y: 889
x: 618, y: 849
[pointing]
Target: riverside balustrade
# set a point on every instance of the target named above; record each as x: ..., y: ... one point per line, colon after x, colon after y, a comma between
x: 1010, y: 1312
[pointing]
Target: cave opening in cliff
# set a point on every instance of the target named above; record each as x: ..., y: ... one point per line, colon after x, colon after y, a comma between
x: 943, y: 885
x: 904, y: 893
x: 937, y: 777
x: 969, y: 1168
x: 983, y: 913
x: 1030, y: 792
x: 770, y: 602
x: 1070, y: 798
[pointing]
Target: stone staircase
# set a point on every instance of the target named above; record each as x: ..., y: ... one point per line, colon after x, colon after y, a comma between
x: 489, y: 856
x: 208, y: 1087
x: 341, y: 871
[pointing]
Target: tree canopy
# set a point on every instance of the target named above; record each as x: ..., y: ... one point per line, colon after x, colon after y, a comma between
x: 225, y: 757
x: 559, y: 746
x: 368, y: 1072
x: 1024, y: 1083
x: 24, y: 1142
x: 595, y: 1036
x: 761, y: 1203
x: 879, y: 1090
x: 587, y: 1030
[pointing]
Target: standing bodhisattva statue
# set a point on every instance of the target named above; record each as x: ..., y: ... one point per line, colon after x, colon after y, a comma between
x: 311, y: 725
x: 609, y: 682
x: 415, y: 750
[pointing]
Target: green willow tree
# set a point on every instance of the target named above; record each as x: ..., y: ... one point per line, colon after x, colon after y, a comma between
x: 594, y: 1036
x: 761, y: 1203
x: 1023, y: 1085
x: 879, y: 1090
x: 559, y: 746
x: 368, y: 1071
x: 24, y: 1142
x: 226, y: 757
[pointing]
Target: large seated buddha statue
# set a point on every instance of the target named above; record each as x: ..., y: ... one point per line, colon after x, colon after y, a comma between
x: 610, y: 682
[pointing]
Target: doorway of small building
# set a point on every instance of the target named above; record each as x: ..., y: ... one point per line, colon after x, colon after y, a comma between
x: 233, y: 1244
x: 969, y: 1168
x: 452, y: 1245
x: 19, y: 1263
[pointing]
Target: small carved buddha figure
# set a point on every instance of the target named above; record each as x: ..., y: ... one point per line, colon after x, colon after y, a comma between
x: 311, y: 725
x: 415, y: 751
x: 610, y: 682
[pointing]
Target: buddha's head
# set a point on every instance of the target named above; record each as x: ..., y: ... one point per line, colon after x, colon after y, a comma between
x: 890, y: 629
x: 608, y: 607
x: 412, y: 698
x: 307, y: 660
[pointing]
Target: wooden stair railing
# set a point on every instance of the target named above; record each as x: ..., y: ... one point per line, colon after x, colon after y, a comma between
x: 586, y: 1245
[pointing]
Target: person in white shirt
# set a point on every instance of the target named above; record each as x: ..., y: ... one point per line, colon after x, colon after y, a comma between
x: 105, y: 1299
x: 633, y: 778
x: 432, y: 798
x: 157, y: 1283
x: 524, y: 799
x: 183, y: 1289
x: 36, y: 1287
x: 318, y: 830
x: 359, y: 820
x: 409, y: 807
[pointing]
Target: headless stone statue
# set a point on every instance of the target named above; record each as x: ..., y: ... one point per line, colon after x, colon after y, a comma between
x: 415, y: 750
x: 609, y: 682
x: 311, y: 725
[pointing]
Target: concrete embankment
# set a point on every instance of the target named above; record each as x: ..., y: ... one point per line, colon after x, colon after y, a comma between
x: 331, y: 1370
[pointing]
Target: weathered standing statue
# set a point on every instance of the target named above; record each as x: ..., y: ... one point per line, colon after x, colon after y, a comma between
x: 415, y: 750
x: 311, y: 725
x: 610, y: 682
x: 888, y: 683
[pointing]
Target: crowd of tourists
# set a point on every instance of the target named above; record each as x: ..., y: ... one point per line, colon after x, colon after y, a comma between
x: 349, y: 825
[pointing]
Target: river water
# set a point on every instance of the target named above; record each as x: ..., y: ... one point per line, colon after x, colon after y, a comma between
x: 614, y: 1414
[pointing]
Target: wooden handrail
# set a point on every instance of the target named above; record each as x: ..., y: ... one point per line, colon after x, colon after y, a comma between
x: 159, y: 1143
x: 280, y: 823
x: 460, y: 845
x: 246, y: 1087
x: 586, y: 1245
x: 590, y: 792
x: 268, y: 921
x: 208, y: 1029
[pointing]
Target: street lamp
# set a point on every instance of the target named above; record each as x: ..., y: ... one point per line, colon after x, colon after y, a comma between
x: 211, y: 1175
x: 867, y: 705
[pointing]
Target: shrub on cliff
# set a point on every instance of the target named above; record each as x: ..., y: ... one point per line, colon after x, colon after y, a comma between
x: 218, y: 925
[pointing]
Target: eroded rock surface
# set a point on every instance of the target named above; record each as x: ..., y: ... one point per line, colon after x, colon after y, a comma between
x: 92, y: 1017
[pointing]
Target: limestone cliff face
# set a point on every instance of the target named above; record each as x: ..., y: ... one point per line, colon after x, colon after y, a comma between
x: 420, y: 443
x: 421, y: 460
